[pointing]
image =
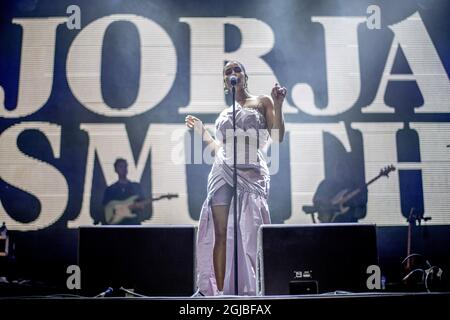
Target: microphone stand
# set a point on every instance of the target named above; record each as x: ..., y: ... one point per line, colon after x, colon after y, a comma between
x: 236, y: 290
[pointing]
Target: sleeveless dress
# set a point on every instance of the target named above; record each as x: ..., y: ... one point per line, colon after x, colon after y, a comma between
x: 253, y: 181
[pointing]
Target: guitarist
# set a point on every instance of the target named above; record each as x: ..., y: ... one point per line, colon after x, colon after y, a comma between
x: 124, y: 189
x: 328, y: 194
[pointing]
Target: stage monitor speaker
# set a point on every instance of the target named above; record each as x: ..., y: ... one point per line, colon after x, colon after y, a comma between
x: 317, y: 258
x: 150, y: 260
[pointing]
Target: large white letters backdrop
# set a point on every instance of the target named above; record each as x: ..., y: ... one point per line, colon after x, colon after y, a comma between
x: 158, y: 67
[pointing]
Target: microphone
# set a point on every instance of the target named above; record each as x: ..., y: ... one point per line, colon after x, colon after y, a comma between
x: 233, y: 80
x: 309, y: 209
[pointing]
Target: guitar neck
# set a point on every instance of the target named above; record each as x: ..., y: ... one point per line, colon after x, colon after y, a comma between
x: 358, y: 190
x: 148, y: 201
x: 373, y: 180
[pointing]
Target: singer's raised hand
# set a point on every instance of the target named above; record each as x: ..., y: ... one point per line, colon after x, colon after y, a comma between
x: 278, y: 94
x: 197, y: 124
x: 194, y: 123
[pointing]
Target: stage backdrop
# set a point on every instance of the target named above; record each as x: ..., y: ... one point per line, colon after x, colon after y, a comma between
x: 85, y: 82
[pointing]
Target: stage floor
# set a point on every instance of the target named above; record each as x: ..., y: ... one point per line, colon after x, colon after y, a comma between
x: 359, y: 305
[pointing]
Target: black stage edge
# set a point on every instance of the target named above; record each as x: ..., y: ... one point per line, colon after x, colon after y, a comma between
x: 352, y: 305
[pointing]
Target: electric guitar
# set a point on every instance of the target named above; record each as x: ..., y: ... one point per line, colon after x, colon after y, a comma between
x: 118, y: 210
x: 337, y: 207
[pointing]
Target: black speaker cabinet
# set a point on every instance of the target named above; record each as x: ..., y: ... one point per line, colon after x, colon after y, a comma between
x: 150, y: 260
x: 318, y: 258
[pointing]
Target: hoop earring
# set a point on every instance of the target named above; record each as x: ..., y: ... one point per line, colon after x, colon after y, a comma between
x: 225, y: 88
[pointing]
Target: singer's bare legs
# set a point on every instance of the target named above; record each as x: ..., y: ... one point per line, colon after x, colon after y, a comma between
x: 220, y: 217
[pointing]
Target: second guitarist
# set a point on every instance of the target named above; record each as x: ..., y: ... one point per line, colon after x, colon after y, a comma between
x: 330, y: 190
